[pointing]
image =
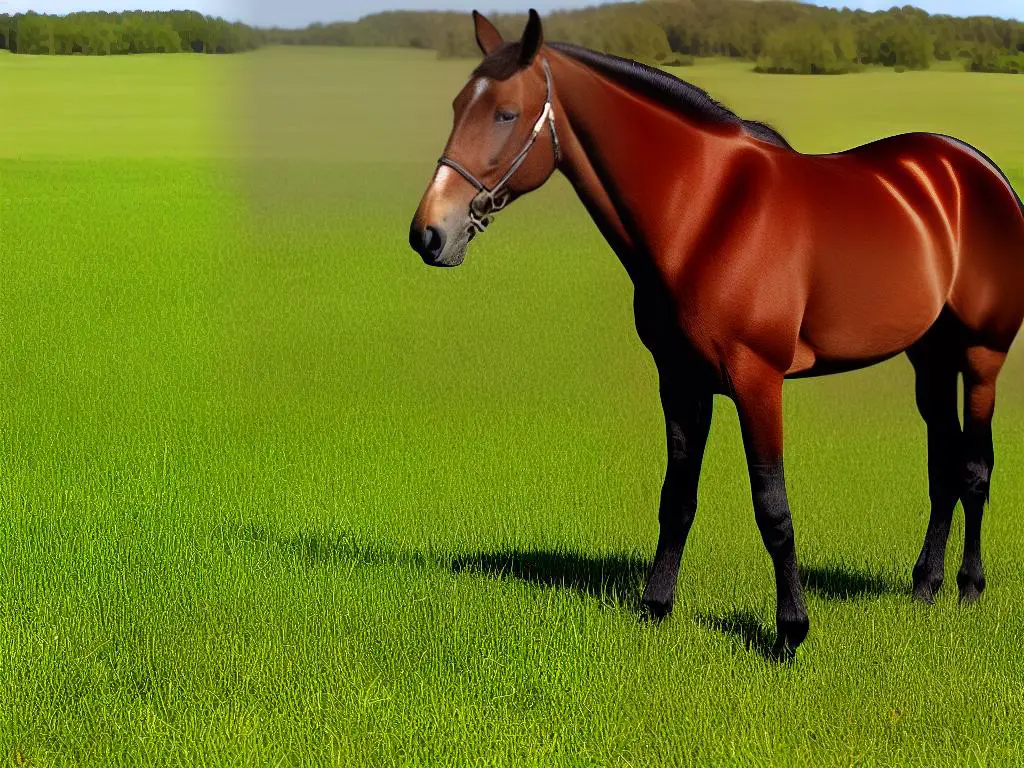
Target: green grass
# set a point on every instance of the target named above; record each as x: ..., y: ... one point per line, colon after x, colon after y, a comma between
x: 274, y: 493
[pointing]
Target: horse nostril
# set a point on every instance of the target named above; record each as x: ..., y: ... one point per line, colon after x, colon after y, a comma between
x: 433, y: 241
x: 427, y: 242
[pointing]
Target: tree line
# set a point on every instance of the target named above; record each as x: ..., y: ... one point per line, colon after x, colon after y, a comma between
x: 779, y: 37
x: 101, y: 34
x: 786, y: 37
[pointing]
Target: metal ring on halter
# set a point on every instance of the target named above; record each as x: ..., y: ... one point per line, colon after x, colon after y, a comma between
x: 489, y: 201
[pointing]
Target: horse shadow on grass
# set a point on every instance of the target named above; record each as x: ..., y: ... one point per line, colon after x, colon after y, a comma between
x: 620, y: 576
x: 845, y: 582
x: 746, y: 627
x: 837, y: 582
x: 316, y: 548
x: 615, y: 580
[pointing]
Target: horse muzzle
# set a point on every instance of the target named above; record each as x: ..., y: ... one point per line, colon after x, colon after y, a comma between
x: 436, y: 247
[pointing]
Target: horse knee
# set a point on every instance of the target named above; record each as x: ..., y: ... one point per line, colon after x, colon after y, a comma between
x: 977, y: 481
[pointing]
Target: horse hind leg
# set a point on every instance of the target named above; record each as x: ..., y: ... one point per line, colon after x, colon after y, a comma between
x: 981, y: 367
x: 936, y: 364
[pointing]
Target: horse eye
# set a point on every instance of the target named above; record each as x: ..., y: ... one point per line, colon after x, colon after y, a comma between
x: 504, y: 116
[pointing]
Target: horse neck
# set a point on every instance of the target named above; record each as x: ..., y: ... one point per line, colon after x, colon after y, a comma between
x: 626, y: 156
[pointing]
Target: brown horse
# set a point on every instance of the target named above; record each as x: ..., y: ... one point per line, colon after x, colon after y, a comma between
x: 753, y: 263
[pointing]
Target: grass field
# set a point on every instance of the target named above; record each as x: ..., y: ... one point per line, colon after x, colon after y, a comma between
x: 274, y: 493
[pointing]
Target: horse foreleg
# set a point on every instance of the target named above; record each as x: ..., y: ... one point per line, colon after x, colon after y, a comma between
x: 687, y: 422
x: 757, y: 391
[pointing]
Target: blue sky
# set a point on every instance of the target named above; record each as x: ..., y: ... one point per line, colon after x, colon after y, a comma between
x: 302, y: 12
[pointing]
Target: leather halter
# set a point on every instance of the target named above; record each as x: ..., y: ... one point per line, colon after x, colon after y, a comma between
x: 490, y: 200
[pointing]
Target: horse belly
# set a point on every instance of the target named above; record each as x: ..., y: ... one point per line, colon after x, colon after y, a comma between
x: 875, y: 290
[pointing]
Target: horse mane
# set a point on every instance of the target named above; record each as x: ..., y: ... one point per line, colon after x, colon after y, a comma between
x: 668, y: 90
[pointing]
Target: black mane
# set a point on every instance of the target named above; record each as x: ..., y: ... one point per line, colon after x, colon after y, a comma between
x: 654, y: 83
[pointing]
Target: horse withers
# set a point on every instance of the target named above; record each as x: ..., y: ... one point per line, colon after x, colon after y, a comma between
x: 753, y: 263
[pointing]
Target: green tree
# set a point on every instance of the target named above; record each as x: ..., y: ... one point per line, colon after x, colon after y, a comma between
x: 804, y: 48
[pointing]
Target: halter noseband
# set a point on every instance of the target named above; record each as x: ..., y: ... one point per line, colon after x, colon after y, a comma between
x: 489, y: 201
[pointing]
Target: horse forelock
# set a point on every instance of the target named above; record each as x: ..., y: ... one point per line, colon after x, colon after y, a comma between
x: 501, y: 64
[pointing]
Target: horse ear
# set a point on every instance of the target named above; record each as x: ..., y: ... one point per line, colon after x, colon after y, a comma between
x: 487, y: 35
x: 533, y: 39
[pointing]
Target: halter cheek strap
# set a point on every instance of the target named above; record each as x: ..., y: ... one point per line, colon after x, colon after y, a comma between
x: 490, y: 200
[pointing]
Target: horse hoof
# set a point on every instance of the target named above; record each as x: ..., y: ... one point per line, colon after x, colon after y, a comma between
x: 655, y: 610
x: 971, y: 587
x: 924, y: 594
x: 925, y: 589
x: 969, y: 595
x: 791, y: 632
